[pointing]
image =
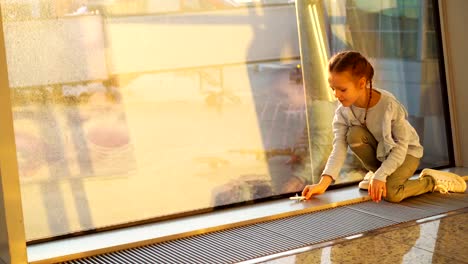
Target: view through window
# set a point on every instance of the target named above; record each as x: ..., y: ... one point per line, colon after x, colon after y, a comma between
x: 132, y: 110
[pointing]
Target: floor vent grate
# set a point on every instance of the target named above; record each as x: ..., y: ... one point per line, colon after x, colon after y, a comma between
x: 275, y: 236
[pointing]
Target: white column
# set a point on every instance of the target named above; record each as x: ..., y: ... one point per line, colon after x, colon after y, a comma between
x: 453, y: 20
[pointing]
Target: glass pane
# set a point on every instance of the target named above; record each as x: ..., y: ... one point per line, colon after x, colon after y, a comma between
x: 391, y: 45
x: 367, y: 42
x: 127, y: 118
x: 133, y: 110
x: 389, y: 33
x: 60, y: 8
x: 399, y: 45
x: 362, y: 19
x: 409, y: 44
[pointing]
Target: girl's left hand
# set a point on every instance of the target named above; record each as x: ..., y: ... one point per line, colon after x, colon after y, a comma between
x: 377, y: 190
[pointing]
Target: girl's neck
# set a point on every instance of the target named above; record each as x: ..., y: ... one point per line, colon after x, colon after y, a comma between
x: 363, y: 100
x: 374, y: 100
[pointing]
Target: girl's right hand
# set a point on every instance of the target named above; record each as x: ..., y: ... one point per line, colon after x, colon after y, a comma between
x: 317, y: 189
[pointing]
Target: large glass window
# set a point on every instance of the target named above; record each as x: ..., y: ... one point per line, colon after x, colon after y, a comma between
x: 127, y: 111
x: 123, y: 117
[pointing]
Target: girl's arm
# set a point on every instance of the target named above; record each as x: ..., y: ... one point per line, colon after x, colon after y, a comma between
x: 335, y: 160
x: 338, y: 155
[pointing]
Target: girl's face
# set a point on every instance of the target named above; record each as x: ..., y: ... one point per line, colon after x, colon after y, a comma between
x: 348, y: 89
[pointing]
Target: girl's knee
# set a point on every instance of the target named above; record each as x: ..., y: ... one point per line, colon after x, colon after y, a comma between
x: 356, y: 136
x: 393, y: 196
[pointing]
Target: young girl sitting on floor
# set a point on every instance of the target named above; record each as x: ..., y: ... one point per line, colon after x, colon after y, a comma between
x: 373, y: 123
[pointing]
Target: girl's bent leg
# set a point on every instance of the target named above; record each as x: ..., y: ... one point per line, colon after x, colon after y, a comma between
x: 364, y: 145
x: 399, y: 186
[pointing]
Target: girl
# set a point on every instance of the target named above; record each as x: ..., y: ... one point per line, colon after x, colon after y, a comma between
x: 374, y: 125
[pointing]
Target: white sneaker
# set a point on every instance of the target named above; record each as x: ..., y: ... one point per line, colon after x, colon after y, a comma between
x: 364, y: 184
x: 445, y: 182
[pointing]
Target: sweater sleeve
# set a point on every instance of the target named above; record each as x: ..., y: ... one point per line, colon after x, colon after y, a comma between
x: 395, y: 140
x: 338, y: 154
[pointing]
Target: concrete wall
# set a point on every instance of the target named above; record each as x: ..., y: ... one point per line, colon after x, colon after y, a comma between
x: 455, y: 38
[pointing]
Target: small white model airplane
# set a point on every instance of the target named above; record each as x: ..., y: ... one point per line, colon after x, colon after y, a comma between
x: 297, y: 198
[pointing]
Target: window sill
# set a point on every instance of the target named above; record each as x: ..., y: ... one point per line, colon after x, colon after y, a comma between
x: 88, y: 245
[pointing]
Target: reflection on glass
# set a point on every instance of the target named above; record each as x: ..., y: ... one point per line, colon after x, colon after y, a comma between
x: 134, y: 110
x: 20, y: 10
x: 127, y: 118
x: 321, y: 103
x: 399, y: 38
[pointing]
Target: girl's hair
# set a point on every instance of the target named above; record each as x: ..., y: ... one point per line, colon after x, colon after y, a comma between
x: 353, y: 61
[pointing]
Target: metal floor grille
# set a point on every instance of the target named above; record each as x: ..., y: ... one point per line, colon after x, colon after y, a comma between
x: 275, y: 236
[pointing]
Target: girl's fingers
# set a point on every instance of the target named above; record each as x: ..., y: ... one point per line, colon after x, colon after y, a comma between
x: 380, y: 192
x: 374, y: 193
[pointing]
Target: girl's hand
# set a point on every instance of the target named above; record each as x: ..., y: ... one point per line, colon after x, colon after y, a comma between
x: 377, y: 190
x: 316, y: 189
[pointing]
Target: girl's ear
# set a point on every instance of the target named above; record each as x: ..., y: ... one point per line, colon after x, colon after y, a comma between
x: 362, y: 82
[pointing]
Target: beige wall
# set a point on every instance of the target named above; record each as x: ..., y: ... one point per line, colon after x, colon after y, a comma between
x: 454, y: 21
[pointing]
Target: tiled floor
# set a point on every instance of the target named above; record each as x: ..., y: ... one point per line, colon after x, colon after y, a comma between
x: 439, y: 241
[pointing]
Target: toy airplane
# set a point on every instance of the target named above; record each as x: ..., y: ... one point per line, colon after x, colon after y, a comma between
x: 297, y: 198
